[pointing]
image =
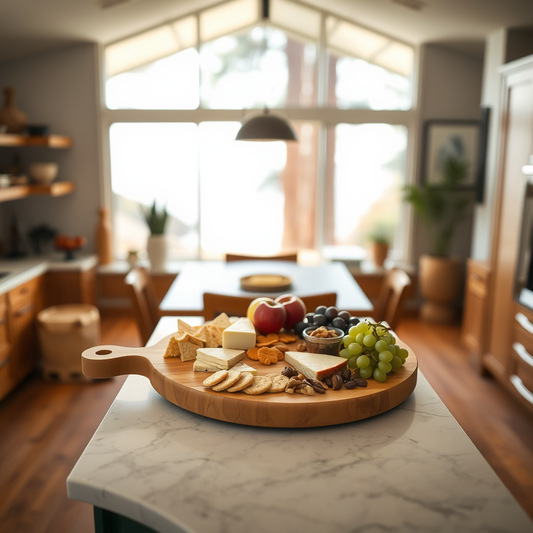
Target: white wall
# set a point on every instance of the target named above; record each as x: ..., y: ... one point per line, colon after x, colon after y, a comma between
x: 59, y: 89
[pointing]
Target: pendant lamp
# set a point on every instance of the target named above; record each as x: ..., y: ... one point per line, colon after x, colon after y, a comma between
x: 266, y: 127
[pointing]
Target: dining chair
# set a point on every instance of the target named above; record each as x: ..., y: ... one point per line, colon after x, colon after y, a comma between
x: 143, y: 301
x: 215, y: 304
x: 390, y: 305
x: 293, y: 257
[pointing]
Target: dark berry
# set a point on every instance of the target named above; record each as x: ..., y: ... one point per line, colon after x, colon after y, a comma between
x: 345, y: 315
x: 339, y: 323
x: 299, y: 327
x: 319, y: 320
x: 321, y: 310
x: 354, y: 321
x: 331, y: 312
x: 309, y: 317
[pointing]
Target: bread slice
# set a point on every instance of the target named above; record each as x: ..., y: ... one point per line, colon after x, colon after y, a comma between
x: 315, y: 365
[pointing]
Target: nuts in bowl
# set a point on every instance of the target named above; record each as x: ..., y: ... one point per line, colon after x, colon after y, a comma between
x: 323, y: 339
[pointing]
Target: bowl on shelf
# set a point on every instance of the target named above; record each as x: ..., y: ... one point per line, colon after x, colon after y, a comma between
x: 43, y: 173
x: 37, y: 129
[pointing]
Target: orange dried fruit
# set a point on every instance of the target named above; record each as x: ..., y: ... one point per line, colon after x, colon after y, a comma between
x: 260, y: 339
x: 266, y: 343
x: 287, y: 337
x: 279, y: 354
x: 252, y: 354
x: 273, y: 336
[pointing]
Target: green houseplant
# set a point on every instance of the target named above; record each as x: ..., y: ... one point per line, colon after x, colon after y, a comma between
x: 157, y: 245
x: 441, y: 207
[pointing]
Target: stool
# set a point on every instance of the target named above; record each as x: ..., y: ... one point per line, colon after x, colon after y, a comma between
x: 65, y: 331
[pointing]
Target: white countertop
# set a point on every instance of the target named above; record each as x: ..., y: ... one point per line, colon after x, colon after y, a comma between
x: 410, y: 469
x: 22, y: 270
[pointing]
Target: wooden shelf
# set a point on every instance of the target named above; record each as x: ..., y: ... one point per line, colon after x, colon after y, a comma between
x: 59, y: 188
x: 47, y: 141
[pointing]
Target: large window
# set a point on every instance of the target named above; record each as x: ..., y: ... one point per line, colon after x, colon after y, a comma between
x: 176, y: 95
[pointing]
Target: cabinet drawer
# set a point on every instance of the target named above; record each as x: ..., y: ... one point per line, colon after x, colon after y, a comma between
x: 6, y: 376
x: 24, y: 297
x: 522, y: 377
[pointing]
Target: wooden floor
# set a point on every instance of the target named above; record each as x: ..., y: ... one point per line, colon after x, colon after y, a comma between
x: 44, y: 428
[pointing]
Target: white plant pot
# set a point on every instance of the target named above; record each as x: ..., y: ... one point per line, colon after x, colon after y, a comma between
x: 157, y: 251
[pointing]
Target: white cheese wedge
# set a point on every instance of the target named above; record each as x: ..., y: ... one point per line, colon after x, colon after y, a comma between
x: 240, y: 335
x: 222, y: 358
x: 200, y: 366
x: 243, y: 367
x: 315, y: 365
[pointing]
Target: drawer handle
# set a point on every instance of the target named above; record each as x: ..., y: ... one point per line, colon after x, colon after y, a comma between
x: 4, y: 362
x: 524, y: 322
x: 521, y: 388
x: 24, y: 310
x: 523, y: 353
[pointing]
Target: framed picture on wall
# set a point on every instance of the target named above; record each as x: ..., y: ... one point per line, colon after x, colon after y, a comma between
x: 445, y: 139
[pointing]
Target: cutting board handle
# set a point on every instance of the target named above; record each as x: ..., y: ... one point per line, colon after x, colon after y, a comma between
x: 101, y: 362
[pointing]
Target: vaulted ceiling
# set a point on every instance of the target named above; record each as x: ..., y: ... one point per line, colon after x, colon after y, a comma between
x: 31, y: 26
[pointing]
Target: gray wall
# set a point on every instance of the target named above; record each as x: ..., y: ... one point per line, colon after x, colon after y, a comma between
x: 450, y: 89
x: 59, y: 89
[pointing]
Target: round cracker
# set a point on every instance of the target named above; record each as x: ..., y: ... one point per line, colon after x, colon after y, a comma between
x: 232, y: 378
x: 259, y: 385
x: 245, y: 380
x: 215, y: 378
x: 279, y: 382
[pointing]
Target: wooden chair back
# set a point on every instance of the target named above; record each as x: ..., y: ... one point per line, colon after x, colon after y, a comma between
x: 214, y: 304
x: 392, y: 298
x: 281, y: 257
x: 143, y: 301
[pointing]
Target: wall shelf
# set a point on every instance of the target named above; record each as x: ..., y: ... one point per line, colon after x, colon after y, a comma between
x: 47, y: 141
x: 60, y: 188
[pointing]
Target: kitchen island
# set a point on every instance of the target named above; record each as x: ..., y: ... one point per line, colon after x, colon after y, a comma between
x: 410, y: 469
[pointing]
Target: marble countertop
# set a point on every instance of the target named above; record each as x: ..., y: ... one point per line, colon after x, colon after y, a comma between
x: 410, y: 469
x: 20, y: 271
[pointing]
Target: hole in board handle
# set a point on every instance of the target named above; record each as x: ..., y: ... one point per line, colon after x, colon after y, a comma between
x: 103, y: 352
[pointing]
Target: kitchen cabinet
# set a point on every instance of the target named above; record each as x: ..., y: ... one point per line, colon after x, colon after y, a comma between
x: 59, y: 188
x: 71, y: 287
x: 19, y: 347
x: 516, y: 147
x: 473, y: 332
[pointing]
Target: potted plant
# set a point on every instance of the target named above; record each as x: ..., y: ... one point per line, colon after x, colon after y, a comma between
x: 380, y: 238
x: 440, y: 208
x: 156, y: 219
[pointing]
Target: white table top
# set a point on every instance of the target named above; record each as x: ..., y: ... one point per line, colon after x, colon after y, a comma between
x: 408, y: 470
x: 185, y: 295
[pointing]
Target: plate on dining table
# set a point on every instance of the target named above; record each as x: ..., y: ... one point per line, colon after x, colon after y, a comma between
x: 266, y: 283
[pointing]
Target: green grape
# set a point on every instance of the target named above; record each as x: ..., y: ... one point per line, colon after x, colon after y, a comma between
x: 380, y: 346
x: 347, y: 340
x: 363, y: 361
x: 369, y: 340
x: 353, y: 331
x: 372, y: 362
x: 392, y: 339
x: 385, y: 367
x: 402, y: 353
x: 385, y: 356
x: 345, y: 353
x: 362, y: 327
x: 359, y: 338
x: 366, y: 373
x: 379, y: 375
x: 387, y: 339
x: 355, y: 348
x: 392, y: 349
x: 352, y: 362
x: 396, y: 363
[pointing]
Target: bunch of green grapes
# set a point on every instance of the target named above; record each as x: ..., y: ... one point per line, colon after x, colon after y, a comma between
x: 372, y: 349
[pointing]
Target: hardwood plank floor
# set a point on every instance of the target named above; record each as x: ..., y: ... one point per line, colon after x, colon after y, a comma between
x: 44, y: 428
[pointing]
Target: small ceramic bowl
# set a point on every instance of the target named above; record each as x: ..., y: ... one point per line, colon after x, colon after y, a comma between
x: 329, y: 345
x: 43, y: 173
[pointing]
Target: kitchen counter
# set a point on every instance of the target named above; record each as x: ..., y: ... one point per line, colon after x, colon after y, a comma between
x: 410, y: 469
x: 22, y: 270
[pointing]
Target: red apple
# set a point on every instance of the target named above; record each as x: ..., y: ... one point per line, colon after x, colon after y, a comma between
x: 254, y: 304
x: 294, y: 308
x: 269, y: 317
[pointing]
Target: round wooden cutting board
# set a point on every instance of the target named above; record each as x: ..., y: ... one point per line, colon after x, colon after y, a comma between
x: 178, y: 383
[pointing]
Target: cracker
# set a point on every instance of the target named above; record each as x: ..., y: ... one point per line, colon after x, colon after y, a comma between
x: 173, y: 348
x: 186, y: 328
x: 215, y: 378
x: 230, y: 380
x: 279, y: 382
x: 221, y: 320
x: 188, y: 350
x: 259, y: 385
x: 244, y: 381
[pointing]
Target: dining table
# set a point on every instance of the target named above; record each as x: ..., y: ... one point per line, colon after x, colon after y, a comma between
x: 152, y: 466
x: 185, y: 295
